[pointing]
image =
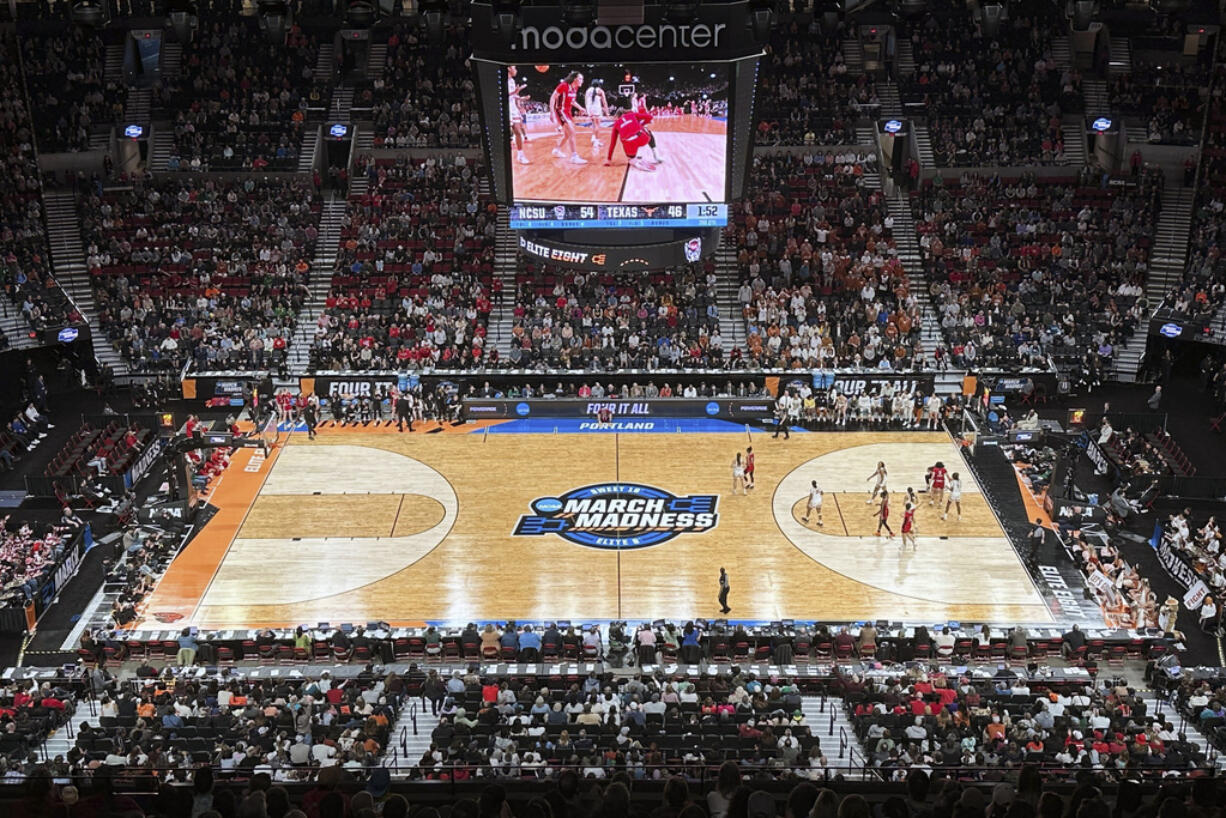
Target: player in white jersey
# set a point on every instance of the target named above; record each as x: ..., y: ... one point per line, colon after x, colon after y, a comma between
x: 516, y: 115
x: 815, y: 503
x: 596, y: 106
x: 955, y: 496
x: 879, y: 474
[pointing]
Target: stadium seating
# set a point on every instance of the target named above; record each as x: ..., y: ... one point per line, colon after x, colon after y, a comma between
x: 240, y: 103
x: 1006, y: 260
x: 1166, y: 97
x: 821, y: 283
x: 807, y: 96
x: 25, y: 267
x: 602, y: 320
x: 68, y: 92
x: 414, y: 275
x: 425, y: 97
x: 203, y: 270
x: 991, y: 100
x: 1008, y: 723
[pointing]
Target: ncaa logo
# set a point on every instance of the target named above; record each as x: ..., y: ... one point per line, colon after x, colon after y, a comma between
x: 522, y: 409
x: 693, y: 249
x: 712, y: 408
x: 619, y: 515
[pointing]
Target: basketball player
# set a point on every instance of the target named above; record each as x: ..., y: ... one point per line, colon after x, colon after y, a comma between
x: 596, y: 106
x: 912, y: 497
x: 516, y: 116
x: 908, y: 527
x: 562, y: 103
x: 936, y: 493
x: 815, y: 503
x: 628, y: 127
x: 883, y: 515
x: 639, y: 106
x: 955, y: 496
x: 738, y: 475
x: 604, y: 416
x: 749, y: 467
x: 879, y: 487
x: 934, y: 411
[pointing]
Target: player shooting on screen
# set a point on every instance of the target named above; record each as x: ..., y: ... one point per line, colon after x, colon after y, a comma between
x: 629, y: 127
x: 562, y: 104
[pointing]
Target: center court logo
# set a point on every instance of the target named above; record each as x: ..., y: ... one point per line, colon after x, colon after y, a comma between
x: 619, y: 515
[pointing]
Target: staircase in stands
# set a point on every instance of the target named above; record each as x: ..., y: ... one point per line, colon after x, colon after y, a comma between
x: 830, y: 723
x: 923, y: 145
x: 909, y: 254
x: 1119, y: 57
x: 1098, y: 103
x: 727, y: 282
x: 1061, y: 53
x: 866, y: 135
x: 60, y: 742
x: 170, y: 59
x: 68, y: 257
x: 320, y: 283
x: 1158, y: 705
x: 1167, y: 262
x: 310, y: 147
x: 853, y: 56
x: 376, y: 60
x: 112, y: 70
x: 1073, y: 128
x: 325, y: 62
x: 342, y: 103
x: 506, y: 262
x: 138, y: 107
x: 904, y: 59
x: 163, y: 143
x: 410, y: 737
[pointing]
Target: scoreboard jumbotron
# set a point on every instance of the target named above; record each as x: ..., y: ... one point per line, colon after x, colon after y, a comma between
x: 544, y: 216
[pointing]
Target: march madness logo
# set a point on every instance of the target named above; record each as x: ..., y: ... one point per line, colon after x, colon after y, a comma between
x: 619, y: 515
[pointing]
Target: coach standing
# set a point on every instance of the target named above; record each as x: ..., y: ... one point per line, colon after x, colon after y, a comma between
x: 724, y: 588
x: 404, y: 412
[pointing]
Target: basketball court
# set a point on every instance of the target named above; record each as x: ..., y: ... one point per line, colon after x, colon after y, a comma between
x: 366, y: 524
x: 694, y: 154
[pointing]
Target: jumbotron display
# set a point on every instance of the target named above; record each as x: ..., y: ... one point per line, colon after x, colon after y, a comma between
x: 617, y: 145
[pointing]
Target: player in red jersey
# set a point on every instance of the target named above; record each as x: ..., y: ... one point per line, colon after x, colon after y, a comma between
x: 936, y: 494
x: 749, y: 467
x: 562, y: 104
x: 639, y: 106
x: 628, y: 127
x: 908, y: 527
x: 883, y: 516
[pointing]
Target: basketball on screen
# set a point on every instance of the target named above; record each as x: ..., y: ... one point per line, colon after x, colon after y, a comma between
x: 542, y: 68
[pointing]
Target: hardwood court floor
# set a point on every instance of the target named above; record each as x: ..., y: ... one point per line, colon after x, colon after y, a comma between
x: 369, y: 525
x: 693, y: 169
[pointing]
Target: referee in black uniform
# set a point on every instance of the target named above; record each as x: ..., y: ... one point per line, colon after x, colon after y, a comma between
x: 311, y: 415
x: 404, y: 412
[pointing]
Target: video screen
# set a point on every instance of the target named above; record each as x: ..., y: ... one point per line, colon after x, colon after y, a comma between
x: 604, y: 134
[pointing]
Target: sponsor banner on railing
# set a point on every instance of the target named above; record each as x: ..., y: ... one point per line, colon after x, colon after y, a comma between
x: 723, y: 408
x: 143, y: 463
